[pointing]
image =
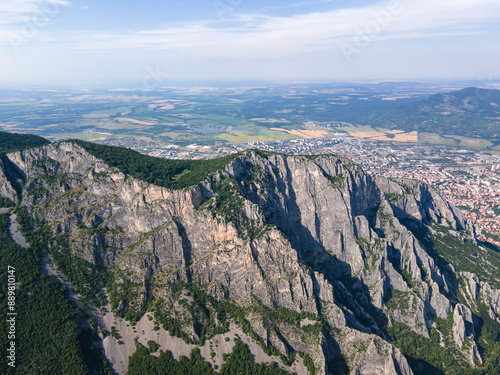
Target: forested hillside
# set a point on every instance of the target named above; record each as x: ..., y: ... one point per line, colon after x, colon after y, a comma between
x: 471, y: 112
x: 10, y: 142
x: 172, y: 174
x: 49, y: 338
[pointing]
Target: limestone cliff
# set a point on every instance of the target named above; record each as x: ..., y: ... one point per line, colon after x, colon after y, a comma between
x: 314, y: 256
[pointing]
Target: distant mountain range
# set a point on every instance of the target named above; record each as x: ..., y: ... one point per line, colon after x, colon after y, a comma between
x: 472, y: 112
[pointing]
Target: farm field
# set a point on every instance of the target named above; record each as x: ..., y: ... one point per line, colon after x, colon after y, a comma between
x: 183, y: 116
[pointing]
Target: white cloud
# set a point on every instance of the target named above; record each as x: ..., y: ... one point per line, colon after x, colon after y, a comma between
x: 22, y: 20
x: 16, y: 12
x: 253, y: 44
x: 253, y: 34
x: 23, y: 7
x: 260, y: 34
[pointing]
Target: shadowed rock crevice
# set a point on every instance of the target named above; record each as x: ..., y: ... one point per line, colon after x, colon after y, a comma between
x: 335, y: 362
x: 186, y: 250
x: 423, y: 234
x: 287, y: 216
x: 15, y: 176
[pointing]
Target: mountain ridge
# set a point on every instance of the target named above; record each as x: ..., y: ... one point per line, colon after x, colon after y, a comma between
x: 366, y: 256
x: 10, y: 142
x: 471, y: 111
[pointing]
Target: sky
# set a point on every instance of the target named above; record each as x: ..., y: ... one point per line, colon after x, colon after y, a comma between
x: 154, y: 43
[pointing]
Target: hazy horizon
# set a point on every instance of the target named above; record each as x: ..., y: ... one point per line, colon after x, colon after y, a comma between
x: 72, y: 42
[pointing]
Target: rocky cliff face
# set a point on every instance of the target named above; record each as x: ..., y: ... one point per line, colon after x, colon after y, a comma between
x: 353, y: 264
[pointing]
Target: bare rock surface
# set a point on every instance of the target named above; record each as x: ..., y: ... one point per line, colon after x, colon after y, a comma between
x: 15, y: 232
x: 313, y: 235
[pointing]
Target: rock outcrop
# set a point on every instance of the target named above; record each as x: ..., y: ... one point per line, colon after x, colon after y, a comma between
x: 312, y: 235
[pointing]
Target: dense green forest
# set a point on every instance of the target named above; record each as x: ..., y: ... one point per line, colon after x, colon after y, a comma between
x: 172, y: 174
x: 240, y: 361
x: 10, y: 142
x: 48, y: 338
